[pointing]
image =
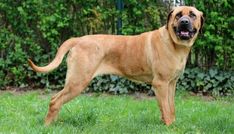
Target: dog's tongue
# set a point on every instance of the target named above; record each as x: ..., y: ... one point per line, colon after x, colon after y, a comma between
x: 184, y: 33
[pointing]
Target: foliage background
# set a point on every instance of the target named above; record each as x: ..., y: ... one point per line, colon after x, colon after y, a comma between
x: 36, y: 28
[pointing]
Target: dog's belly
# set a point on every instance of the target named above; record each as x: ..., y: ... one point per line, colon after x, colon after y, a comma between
x: 141, y: 78
x: 133, y: 76
x: 106, y: 69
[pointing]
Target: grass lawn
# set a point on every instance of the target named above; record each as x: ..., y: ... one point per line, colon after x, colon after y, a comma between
x: 99, y: 113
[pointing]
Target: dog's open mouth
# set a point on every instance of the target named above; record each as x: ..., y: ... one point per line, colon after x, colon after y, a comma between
x: 185, y: 34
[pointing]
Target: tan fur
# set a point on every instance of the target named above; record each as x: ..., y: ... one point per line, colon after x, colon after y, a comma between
x: 157, y: 57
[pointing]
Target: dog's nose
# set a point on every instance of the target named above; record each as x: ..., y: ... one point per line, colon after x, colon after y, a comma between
x: 184, y: 21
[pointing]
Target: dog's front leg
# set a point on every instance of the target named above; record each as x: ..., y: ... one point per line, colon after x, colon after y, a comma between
x: 172, y: 89
x: 164, y: 95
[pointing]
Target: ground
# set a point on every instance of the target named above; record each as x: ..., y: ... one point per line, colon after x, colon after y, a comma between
x: 23, y: 112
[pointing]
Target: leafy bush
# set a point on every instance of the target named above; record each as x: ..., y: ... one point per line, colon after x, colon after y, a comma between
x: 35, y: 28
x: 212, y: 82
x: 216, y: 46
x: 117, y: 85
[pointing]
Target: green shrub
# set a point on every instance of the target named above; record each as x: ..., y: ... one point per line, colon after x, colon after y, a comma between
x: 207, y: 82
x: 212, y: 81
x: 117, y: 85
x: 35, y: 29
x: 216, y: 46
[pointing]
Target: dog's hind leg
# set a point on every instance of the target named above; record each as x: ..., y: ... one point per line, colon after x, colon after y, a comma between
x: 69, y: 92
x: 81, y: 68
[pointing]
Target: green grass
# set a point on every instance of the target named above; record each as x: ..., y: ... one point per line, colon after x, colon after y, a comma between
x: 98, y: 114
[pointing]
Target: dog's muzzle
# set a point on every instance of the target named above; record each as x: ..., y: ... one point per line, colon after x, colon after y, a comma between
x: 185, y: 30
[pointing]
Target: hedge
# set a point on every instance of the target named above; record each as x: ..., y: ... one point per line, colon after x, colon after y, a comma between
x: 207, y: 82
x: 35, y: 29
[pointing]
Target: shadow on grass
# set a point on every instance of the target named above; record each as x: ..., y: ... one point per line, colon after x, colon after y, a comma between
x: 77, y: 119
x: 121, y: 124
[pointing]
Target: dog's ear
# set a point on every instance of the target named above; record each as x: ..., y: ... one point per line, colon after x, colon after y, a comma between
x: 168, y: 18
x: 202, y: 23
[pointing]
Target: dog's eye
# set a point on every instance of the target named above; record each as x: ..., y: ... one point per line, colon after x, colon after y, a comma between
x: 192, y: 15
x: 178, y: 15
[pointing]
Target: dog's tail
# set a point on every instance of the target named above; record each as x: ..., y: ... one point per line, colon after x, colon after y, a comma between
x: 63, y: 49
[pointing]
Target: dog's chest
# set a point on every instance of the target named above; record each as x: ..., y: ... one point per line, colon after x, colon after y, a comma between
x: 177, y: 74
x: 179, y: 68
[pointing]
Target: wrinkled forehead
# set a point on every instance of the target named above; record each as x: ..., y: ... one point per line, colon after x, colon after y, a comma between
x: 186, y: 10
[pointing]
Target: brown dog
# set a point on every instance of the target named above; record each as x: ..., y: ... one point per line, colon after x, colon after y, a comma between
x: 157, y: 57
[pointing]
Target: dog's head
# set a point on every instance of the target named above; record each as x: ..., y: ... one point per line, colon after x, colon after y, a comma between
x: 184, y: 23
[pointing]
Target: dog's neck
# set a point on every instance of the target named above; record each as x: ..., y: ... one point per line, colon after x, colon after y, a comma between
x: 180, y: 52
x: 171, y: 44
